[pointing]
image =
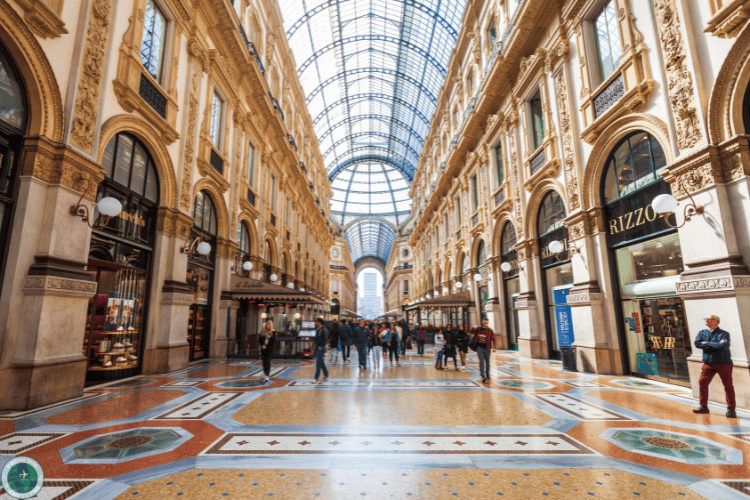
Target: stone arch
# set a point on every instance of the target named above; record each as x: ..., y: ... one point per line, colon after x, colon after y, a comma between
x: 535, y: 200
x: 46, y: 117
x: 727, y: 97
x: 603, y: 147
x: 151, y: 139
x: 286, y: 263
x: 474, y: 247
x: 222, y: 216
x: 447, y: 273
x: 250, y: 224
x: 503, y: 219
x: 460, y: 254
x: 438, y: 277
x: 273, y: 261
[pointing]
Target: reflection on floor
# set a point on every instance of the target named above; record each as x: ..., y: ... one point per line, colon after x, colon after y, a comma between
x: 216, y: 430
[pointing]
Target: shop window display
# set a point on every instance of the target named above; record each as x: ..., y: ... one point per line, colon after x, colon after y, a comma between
x: 200, y: 276
x: 120, y: 261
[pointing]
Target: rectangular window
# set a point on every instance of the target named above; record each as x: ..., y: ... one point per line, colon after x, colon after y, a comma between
x: 288, y: 213
x: 406, y: 287
x: 251, y: 165
x: 335, y: 286
x: 537, y: 121
x: 152, y: 46
x: 299, y: 223
x: 217, y: 109
x: 458, y: 210
x: 470, y: 84
x: 273, y: 193
x: 455, y: 118
x: 447, y: 227
x: 608, y: 50
x: 445, y: 143
x: 499, y: 167
x: 475, y: 192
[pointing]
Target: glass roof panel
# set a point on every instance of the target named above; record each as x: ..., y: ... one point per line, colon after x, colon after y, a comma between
x: 372, y: 71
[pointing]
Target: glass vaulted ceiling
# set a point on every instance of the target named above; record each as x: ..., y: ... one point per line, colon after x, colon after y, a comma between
x: 372, y: 71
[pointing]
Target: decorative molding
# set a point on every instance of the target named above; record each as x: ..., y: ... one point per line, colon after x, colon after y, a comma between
x: 177, y: 298
x: 41, y: 19
x: 584, y: 298
x: 189, y: 156
x: 696, y: 179
x: 679, y: 78
x: 51, y: 284
x: 576, y: 231
x: 89, y: 85
x: 566, y: 131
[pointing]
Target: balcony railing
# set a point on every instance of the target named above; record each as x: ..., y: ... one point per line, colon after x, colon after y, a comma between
x: 251, y: 197
x: 273, y: 220
x: 403, y: 266
x: 216, y: 161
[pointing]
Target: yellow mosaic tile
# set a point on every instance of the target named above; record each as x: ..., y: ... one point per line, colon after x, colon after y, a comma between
x: 419, y: 484
x: 390, y: 407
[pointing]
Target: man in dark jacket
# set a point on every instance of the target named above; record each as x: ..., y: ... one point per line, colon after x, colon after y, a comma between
x: 345, y: 333
x: 361, y: 340
x: 716, y: 359
x: 321, y: 341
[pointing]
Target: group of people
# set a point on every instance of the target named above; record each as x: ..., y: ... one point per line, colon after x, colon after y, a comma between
x: 374, y: 337
x: 450, y: 340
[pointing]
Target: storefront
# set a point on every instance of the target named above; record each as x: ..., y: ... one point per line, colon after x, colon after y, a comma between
x: 557, y: 271
x: 120, y: 260
x: 450, y: 310
x: 200, y: 275
x: 12, y: 125
x: 511, y: 284
x: 256, y: 301
x: 646, y: 257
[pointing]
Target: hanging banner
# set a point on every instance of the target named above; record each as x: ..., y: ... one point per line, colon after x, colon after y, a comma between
x: 563, y: 317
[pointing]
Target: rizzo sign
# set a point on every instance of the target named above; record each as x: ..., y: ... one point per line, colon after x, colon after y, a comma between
x: 633, y: 217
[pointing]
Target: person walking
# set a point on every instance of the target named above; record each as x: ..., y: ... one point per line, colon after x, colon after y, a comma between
x: 716, y: 359
x: 391, y: 336
x: 462, y: 344
x: 321, y: 341
x: 420, y: 341
x: 402, y: 334
x: 266, y: 341
x: 439, y: 343
x: 377, y: 349
x: 449, y: 349
x: 484, y: 340
x: 335, y: 333
x: 361, y: 338
x: 347, y: 340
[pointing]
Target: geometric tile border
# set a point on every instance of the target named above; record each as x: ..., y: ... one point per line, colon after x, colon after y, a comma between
x: 641, y: 384
x: 123, y: 446
x: 13, y: 444
x: 18, y: 414
x: 397, y: 444
x: 184, y: 383
x: 742, y: 485
x: 385, y: 383
x: 673, y: 446
x: 57, y: 489
x: 741, y: 437
x: 198, y: 408
x: 579, y: 409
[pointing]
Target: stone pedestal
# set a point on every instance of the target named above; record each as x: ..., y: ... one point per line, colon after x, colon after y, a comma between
x: 531, y: 342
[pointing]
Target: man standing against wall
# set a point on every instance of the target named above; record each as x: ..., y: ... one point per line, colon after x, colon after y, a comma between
x: 716, y: 359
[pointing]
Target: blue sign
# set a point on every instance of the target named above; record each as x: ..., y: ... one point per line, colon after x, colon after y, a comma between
x: 563, y: 317
x: 647, y: 364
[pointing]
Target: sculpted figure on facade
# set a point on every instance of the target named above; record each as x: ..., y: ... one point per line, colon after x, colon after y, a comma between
x: 87, y: 102
x: 679, y: 78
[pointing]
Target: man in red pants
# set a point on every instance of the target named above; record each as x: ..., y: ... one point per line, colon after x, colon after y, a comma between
x: 716, y: 359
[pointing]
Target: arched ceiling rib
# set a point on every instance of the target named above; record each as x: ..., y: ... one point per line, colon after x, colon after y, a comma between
x: 370, y: 237
x: 372, y: 71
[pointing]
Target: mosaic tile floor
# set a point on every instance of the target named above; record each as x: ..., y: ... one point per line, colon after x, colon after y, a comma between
x: 217, y: 430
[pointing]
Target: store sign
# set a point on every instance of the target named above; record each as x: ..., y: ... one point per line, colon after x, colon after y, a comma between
x: 563, y: 317
x: 633, y: 217
x: 547, y: 257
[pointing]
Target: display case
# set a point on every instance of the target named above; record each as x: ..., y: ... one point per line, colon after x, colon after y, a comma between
x: 197, y: 331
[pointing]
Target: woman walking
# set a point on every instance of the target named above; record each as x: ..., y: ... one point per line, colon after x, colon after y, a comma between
x: 391, y: 336
x: 335, y: 336
x: 266, y: 340
x: 484, y: 340
x: 449, y: 349
x: 439, y: 342
x: 462, y: 343
x: 377, y: 349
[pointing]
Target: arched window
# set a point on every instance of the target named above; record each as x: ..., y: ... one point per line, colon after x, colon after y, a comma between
x: 636, y: 161
x: 244, y: 239
x: 204, y: 213
x: 481, y: 254
x: 12, y: 100
x: 128, y: 163
x: 551, y: 214
x: 464, y: 265
x: 508, y: 240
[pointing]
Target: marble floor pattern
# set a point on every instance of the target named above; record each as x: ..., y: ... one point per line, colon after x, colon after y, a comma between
x: 216, y: 430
